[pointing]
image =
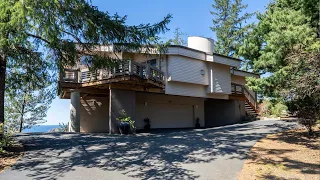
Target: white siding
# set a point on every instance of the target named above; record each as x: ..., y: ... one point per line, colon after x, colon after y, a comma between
x: 226, y: 61
x: 192, y: 90
x: 192, y: 53
x: 185, y: 89
x: 163, y: 65
x: 187, y: 70
x: 244, y: 74
x: 219, y: 78
x: 186, y: 52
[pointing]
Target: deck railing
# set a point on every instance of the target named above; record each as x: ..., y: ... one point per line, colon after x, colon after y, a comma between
x: 127, y: 67
x: 238, y: 89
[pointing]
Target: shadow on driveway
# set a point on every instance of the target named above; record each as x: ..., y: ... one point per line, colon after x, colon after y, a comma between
x: 163, y: 155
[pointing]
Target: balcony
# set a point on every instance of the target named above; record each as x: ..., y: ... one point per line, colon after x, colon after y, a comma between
x: 127, y: 73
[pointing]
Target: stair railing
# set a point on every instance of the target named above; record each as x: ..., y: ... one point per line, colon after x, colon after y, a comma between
x: 251, y: 99
x: 239, y: 89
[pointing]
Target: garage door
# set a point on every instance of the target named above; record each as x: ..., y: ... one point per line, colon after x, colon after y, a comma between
x: 168, y: 115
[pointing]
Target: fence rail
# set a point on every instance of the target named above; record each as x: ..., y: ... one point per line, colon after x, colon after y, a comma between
x: 126, y: 67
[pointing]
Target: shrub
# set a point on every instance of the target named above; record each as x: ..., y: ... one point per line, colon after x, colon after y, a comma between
x: 6, y: 142
x: 279, y: 109
x: 63, y: 127
x: 270, y: 109
x: 307, y: 110
x: 265, y: 108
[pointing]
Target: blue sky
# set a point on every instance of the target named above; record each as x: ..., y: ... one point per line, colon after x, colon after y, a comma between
x: 191, y: 16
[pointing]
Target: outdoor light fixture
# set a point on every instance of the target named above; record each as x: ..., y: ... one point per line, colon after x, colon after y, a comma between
x: 202, y: 72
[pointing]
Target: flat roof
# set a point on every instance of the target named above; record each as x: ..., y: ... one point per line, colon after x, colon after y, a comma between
x: 185, y: 47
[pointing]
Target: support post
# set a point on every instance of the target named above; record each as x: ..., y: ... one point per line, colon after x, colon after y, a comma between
x: 75, y: 112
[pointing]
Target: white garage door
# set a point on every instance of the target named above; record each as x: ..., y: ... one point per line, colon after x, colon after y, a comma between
x: 168, y: 115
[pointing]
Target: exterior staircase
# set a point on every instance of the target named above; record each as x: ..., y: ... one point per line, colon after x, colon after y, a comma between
x: 249, y: 110
x: 240, y: 92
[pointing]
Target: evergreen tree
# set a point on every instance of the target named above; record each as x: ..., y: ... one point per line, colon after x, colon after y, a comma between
x: 28, y: 95
x: 229, y: 25
x: 178, y: 38
x: 285, y: 44
x: 53, y: 27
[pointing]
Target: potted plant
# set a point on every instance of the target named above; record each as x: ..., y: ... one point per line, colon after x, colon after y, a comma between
x: 126, y: 124
x: 197, y: 123
x: 147, y: 125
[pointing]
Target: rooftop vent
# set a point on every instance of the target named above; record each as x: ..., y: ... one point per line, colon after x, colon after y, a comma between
x: 201, y: 44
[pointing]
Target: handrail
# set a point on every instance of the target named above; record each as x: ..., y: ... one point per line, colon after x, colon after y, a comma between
x: 125, y: 67
x: 251, y: 98
x: 244, y: 91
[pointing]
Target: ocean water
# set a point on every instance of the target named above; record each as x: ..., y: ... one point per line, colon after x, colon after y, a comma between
x: 40, y: 128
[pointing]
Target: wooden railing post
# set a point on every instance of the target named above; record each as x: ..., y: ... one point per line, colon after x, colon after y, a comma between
x: 79, y: 76
x: 130, y: 67
x: 242, y: 89
x: 141, y: 68
x: 147, y: 71
x: 75, y: 76
x: 61, y: 75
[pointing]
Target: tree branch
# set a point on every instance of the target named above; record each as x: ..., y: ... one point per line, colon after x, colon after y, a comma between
x: 38, y: 37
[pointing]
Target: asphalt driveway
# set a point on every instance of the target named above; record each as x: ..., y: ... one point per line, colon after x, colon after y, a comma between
x: 216, y: 153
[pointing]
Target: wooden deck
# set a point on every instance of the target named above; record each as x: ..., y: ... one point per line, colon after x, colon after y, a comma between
x: 127, y: 74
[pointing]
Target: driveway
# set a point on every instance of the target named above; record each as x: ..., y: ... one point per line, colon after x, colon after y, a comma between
x: 215, y: 153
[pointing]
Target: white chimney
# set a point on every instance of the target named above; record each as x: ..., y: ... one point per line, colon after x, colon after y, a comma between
x: 201, y: 44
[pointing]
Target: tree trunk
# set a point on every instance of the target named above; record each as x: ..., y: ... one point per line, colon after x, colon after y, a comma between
x: 3, y: 64
x: 22, y: 112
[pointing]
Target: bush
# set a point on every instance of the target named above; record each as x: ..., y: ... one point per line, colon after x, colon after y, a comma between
x: 265, y: 108
x: 279, y: 110
x: 270, y: 109
x: 307, y: 110
x: 63, y: 127
x: 308, y: 124
x: 6, y: 142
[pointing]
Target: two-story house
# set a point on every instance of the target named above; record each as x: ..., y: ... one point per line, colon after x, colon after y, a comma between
x: 173, y: 90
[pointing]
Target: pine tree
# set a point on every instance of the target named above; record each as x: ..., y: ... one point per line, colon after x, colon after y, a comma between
x: 229, y: 25
x: 53, y: 27
x: 29, y: 91
x: 285, y: 43
x: 178, y: 38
